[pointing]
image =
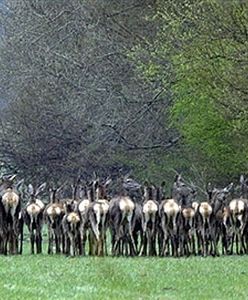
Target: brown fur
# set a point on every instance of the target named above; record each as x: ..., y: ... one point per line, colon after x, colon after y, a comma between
x: 122, y: 213
x: 71, y: 229
x: 237, y: 208
x: 169, y: 213
x: 205, y: 229
x: 98, y: 217
x: 33, y: 217
x: 11, y: 205
x: 54, y: 213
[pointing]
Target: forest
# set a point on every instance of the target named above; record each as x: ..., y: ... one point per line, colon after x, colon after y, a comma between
x: 147, y: 87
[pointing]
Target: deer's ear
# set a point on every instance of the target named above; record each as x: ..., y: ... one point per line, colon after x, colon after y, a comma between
x: 19, y: 184
x: 146, y: 183
x: 95, y: 184
x: 242, y: 179
x: 177, y: 178
x: 153, y: 186
x: 12, y: 178
x: 30, y: 189
x: 40, y: 188
x: 228, y: 188
x: 108, y: 181
x: 95, y: 177
x: 59, y: 189
x: 209, y: 187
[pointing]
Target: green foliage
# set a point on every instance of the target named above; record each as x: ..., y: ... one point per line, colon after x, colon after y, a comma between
x: 200, y: 54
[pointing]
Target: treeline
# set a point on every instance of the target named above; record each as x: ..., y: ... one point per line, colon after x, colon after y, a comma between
x: 200, y: 55
x: 114, y: 86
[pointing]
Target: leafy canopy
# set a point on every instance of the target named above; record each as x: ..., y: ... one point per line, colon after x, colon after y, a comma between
x: 200, y: 54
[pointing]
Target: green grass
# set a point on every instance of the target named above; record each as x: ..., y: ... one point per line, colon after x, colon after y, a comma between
x: 59, y: 277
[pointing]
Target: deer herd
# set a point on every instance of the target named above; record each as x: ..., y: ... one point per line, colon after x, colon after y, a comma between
x: 87, y: 221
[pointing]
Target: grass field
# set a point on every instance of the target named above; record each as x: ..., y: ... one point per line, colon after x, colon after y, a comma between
x: 59, y: 277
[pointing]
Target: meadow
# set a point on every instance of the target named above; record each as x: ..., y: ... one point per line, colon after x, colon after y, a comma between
x: 59, y: 277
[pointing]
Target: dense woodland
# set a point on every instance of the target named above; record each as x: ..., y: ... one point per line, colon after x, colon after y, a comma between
x: 148, y: 87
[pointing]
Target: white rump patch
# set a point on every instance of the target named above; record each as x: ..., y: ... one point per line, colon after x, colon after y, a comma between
x: 33, y: 209
x: 101, y: 207
x: 205, y: 209
x: 73, y: 218
x: 39, y: 203
x: 126, y: 204
x: 188, y: 213
x: 195, y: 205
x: 10, y: 199
x: 54, y: 210
x: 171, y: 208
x: 237, y: 206
x: 150, y: 207
x: 83, y: 206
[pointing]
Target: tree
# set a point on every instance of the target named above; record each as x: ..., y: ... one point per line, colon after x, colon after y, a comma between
x: 73, y: 99
x: 200, y: 55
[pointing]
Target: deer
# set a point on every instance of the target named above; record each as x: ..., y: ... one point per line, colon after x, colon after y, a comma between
x: 205, y: 212
x: 227, y: 231
x: 211, y: 215
x: 219, y: 202
x: 185, y: 195
x: 123, y: 213
x: 86, y: 196
x: 71, y: 229
x: 74, y: 199
x: 238, y: 218
x: 159, y: 197
x: 33, y: 216
x: 244, y: 197
x: 53, y: 213
x: 177, y: 219
x: 169, y: 211
x: 98, y: 218
x: 3, y: 228
x: 149, y: 220
x: 11, y: 210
